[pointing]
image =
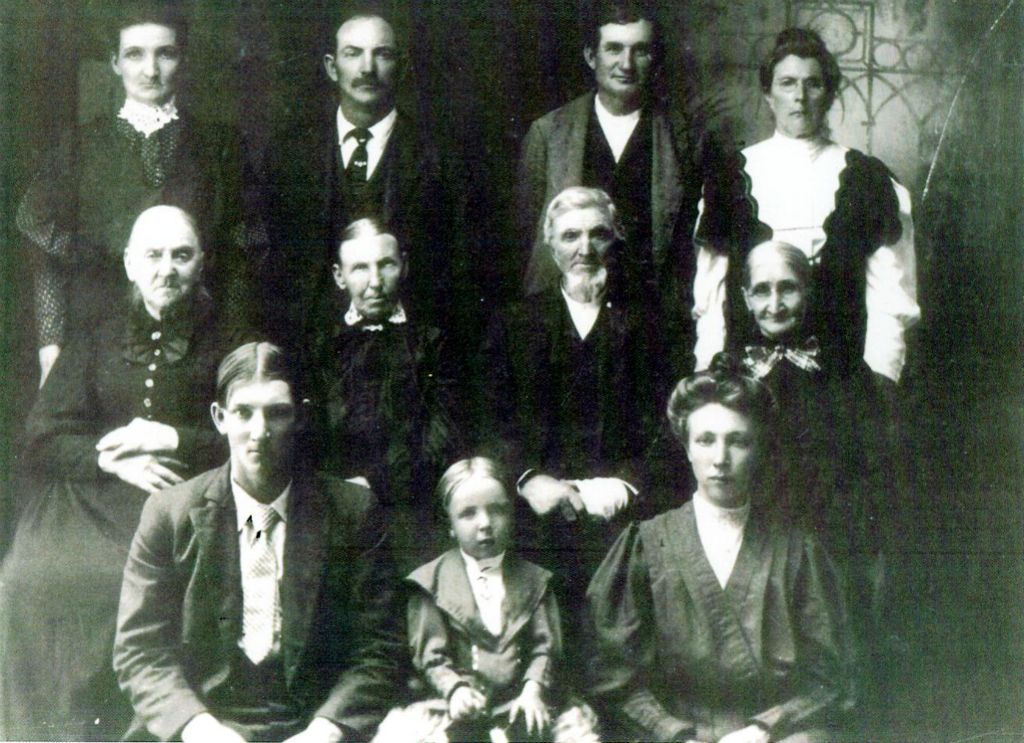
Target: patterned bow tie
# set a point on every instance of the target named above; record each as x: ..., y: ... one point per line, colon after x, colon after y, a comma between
x: 760, y: 360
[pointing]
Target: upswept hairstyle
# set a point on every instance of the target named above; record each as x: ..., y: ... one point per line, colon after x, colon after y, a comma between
x: 807, y: 44
x: 597, y: 13
x: 137, y: 12
x: 580, y: 197
x: 464, y: 470
x: 791, y: 255
x: 254, y: 362
x: 723, y: 383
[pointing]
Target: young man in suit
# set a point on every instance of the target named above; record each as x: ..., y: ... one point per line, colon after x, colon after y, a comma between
x: 622, y: 139
x: 256, y: 602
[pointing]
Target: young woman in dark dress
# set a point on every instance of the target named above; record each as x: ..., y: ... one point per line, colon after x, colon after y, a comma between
x: 123, y: 414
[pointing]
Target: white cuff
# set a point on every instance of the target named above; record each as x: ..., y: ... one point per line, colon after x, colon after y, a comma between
x: 604, y: 496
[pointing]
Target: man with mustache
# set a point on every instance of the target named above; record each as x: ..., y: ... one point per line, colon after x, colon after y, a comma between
x: 623, y: 140
x: 573, y: 393
x: 364, y: 158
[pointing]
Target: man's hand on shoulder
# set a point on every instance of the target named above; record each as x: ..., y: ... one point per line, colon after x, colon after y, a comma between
x: 319, y: 730
x: 545, y: 493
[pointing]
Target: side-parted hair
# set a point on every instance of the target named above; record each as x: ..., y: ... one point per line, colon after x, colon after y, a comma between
x: 387, y: 10
x: 807, y: 44
x: 463, y: 471
x: 791, y: 255
x: 725, y: 384
x: 254, y: 362
x: 580, y: 197
x: 138, y: 12
x: 597, y: 13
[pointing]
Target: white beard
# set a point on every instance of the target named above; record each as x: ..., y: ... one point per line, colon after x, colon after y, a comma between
x: 585, y: 286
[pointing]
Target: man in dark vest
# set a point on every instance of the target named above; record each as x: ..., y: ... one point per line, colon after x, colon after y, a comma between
x: 574, y: 393
x: 620, y: 139
x: 363, y: 158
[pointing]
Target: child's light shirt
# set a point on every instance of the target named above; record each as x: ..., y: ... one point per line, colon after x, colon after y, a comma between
x: 488, y: 584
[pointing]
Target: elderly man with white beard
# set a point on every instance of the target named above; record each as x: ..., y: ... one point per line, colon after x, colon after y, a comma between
x: 573, y: 395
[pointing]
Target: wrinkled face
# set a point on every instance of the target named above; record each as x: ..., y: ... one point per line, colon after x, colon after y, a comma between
x: 370, y: 270
x: 721, y: 445
x: 164, y: 260
x: 480, y: 516
x: 147, y: 61
x: 580, y: 240
x: 365, y: 64
x: 259, y: 420
x: 776, y: 297
x: 623, y: 61
x: 797, y: 97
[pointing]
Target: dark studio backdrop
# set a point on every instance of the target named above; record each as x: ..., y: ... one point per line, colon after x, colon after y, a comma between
x: 933, y: 87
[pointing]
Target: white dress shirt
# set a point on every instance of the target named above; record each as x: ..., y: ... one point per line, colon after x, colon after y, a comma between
x: 488, y: 584
x: 794, y: 182
x: 147, y: 119
x: 381, y: 133
x: 583, y: 314
x: 246, y: 509
x: 721, y: 534
x: 617, y: 128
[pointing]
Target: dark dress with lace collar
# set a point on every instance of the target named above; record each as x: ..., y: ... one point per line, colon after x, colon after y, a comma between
x: 79, y: 209
x: 61, y: 579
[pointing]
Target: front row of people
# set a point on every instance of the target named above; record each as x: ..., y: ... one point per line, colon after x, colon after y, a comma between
x: 259, y: 599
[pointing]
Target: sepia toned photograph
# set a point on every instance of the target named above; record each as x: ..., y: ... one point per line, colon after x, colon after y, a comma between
x: 424, y: 371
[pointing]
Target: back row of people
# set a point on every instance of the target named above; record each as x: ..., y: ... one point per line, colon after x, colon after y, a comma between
x: 572, y: 381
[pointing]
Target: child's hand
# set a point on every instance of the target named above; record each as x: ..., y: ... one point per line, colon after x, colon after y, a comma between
x: 466, y: 702
x: 531, y: 703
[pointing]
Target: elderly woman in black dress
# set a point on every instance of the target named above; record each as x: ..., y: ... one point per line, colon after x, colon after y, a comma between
x: 77, y: 212
x: 123, y: 414
x: 717, y: 621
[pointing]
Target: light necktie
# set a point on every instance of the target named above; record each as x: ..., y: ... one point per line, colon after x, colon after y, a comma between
x: 261, y: 608
x: 356, y: 170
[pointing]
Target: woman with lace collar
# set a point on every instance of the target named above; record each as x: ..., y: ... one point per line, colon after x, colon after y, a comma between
x: 124, y: 413
x: 842, y: 208
x: 78, y: 209
x: 718, y: 621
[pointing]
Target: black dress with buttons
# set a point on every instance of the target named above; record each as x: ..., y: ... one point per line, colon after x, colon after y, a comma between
x: 61, y: 579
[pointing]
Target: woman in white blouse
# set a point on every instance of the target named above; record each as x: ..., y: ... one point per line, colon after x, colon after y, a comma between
x: 842, y: 208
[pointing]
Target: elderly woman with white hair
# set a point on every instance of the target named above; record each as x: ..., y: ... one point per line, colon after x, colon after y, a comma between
x: 123, y: 414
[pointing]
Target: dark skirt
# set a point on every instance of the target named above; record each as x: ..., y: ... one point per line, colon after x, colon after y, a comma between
x: 59, y: 594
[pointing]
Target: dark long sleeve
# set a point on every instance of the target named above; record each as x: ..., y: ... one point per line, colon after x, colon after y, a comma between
x: 147, y: 644
x: 619, y: 605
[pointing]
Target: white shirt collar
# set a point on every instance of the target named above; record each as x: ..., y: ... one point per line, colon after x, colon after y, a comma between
x: 380, y: 131
x: 475, y: 567
x: 584, y: 314
x: 148, y: 119
x: 247, y: 507
x: 712, y: 513
x: 617, y: 128
x: 806, y: 148
x: 353, y: 317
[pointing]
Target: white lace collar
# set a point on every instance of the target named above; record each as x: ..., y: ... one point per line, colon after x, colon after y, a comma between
x: 148, y: 119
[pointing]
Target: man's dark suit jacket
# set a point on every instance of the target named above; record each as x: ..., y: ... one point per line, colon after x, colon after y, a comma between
x: 311, y: 214
x: 180, y: 616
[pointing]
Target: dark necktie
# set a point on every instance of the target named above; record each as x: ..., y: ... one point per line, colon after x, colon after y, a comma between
x: 356, y: 170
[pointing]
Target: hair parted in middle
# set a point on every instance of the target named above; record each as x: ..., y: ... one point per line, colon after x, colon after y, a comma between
x: 258, y: 361
x: 463, y: 471
x: 791, y: 255
x: 723, y: 383
x: 807, y: 44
